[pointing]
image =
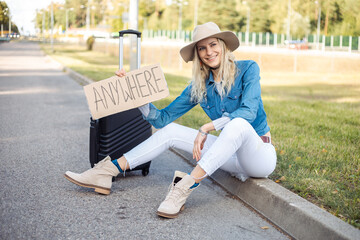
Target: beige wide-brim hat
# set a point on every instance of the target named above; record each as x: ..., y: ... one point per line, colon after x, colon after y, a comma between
x: 207, y: 30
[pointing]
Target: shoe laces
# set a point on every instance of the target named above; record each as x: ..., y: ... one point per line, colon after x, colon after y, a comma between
x: 175, y: 192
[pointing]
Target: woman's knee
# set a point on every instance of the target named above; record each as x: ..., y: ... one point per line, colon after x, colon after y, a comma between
x: 262, y: 165
x: 239, y: 126
x: 239, y: 122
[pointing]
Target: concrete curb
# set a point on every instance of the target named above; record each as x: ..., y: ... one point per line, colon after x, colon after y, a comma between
x: 293, y: 214
x: 296, y: 216
x: 82, y: 80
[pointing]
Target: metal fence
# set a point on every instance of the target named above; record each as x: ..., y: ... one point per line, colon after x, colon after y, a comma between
x: 341, y: 43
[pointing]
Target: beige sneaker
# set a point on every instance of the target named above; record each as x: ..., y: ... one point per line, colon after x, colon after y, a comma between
x: 179, y: 191
x: 99, y: 177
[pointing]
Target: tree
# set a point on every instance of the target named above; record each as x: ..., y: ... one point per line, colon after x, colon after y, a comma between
x: 156, y: 18
x: 338, y: 17
x: 222, y: 12
x: 4, y: 14
x: 300, y: 25
x: 260, y: 12
x: 278, y: 13
x: 351, y: 13
x: 4, y: 18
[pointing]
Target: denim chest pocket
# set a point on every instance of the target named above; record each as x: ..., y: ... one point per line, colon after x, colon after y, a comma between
x: 206, y: 105
x: 232, y: 101
x: 234, y: 94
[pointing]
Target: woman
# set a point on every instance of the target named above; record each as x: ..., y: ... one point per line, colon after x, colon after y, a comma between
x: 229, y: 93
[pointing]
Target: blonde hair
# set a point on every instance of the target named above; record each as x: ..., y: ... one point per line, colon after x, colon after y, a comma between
x: 201, y: 72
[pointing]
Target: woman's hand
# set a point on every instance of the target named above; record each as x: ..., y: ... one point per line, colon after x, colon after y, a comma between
x: 200, y: 140
x: 120, y: 73
x: 198, y: 145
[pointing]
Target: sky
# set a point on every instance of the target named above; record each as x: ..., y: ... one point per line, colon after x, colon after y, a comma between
x: 23, y: 13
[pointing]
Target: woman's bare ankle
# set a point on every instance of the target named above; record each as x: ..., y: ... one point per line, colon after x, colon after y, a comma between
x: 123, y: 163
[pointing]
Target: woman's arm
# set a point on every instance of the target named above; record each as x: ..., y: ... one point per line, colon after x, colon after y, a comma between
x: 160, y: 118
x: 145, y: 109
x: 220, y: 123
x: 181, y: 105
x: 201, y: 138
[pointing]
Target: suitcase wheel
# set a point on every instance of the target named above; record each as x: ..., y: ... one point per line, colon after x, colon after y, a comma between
x: 145, y: 171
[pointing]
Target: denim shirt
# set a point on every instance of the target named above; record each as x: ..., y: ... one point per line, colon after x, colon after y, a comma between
x: 243, y: 101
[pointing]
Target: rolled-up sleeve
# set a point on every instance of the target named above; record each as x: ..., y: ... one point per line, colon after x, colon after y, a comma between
x: 220, y: 123
x: 145, y: 109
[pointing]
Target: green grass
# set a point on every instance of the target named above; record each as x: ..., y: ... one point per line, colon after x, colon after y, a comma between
x: 94, y: 65
x: 315, y: 127
x: 318, y: 151
x: 316, y: 130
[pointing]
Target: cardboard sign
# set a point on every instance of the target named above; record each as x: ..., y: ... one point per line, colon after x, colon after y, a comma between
x: 117, y: 94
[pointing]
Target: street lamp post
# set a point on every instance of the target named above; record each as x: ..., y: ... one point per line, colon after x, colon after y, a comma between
x: 88, y: 16
x: 180, y: 4
x: 288, y: 32
x: 180, y: 17
x: 247, y: 23
x: 318, y: 26
x: 7, y: 12
x: 196, y: 12
x: 52, y: 27
x: 43, y: 25
x: 133, y: 24
x: 67, y: 20
x: 9, y: 23
x: 43, y: 12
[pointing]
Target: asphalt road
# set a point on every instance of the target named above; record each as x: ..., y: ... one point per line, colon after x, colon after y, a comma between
x: 44, y: 131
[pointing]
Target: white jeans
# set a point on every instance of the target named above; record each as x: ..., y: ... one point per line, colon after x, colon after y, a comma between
x: 238, y: 149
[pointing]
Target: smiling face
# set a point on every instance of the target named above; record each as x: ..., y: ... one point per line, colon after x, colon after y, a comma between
x: 209, y: 51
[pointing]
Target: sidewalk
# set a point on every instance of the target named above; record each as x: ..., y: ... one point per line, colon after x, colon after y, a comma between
x: 293, y: 214
x: 44, y: 131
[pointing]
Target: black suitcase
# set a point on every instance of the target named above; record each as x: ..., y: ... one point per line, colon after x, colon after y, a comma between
x: 116, y: 134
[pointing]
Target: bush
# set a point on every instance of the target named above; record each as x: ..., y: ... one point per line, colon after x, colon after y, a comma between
x: 90, y: 43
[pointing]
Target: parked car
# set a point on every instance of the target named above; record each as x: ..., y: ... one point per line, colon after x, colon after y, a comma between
x: 297, y: 44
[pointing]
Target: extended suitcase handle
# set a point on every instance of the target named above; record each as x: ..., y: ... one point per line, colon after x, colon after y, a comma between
x: 130, y: 31
x: 121, y: 44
